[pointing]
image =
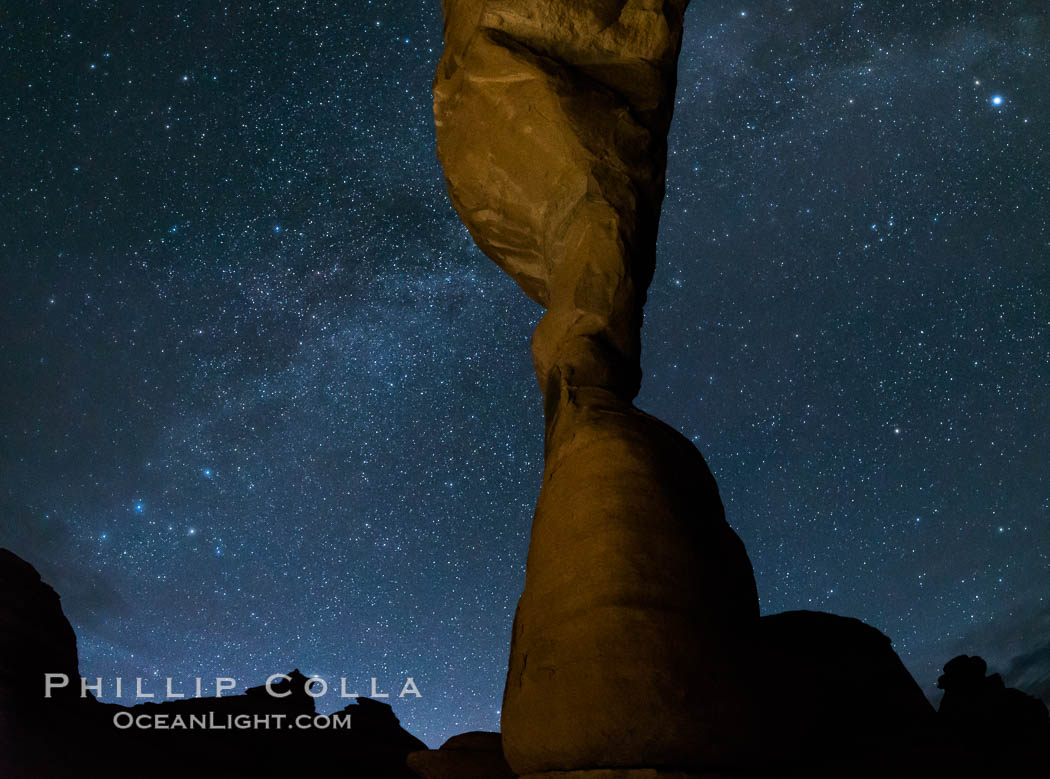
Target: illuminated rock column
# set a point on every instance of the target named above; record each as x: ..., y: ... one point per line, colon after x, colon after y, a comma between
x: 629, y: 643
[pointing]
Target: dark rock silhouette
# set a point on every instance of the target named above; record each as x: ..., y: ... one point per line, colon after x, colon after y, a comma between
x: 833, y: 691
x: 67, y: 735
x: 474, y: 755
x: 33, y: 630
x: 35, y: 637
x: 984, y: 705
x: 984, y: 723
x: 836, y: 701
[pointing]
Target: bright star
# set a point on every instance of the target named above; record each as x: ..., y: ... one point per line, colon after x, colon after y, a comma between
x: 140, y: 507
x: 997, y: 100
x: 207, y: 473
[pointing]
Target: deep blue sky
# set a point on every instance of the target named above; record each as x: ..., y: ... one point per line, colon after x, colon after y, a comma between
x: 265, y: 406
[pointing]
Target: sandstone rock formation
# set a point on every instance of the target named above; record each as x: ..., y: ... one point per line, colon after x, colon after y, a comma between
x: 552, y: 119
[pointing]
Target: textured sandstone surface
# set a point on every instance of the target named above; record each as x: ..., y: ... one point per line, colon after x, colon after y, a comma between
x: 552, y: 119
x: 630, y: 640
x: 630, y: 637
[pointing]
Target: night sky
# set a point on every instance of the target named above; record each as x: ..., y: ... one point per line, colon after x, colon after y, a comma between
x: 265, y: 406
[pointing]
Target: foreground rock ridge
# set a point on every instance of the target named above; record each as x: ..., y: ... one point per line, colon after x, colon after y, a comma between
x: 67, y: 735
x: 552, y: 120
x: 834, y: 698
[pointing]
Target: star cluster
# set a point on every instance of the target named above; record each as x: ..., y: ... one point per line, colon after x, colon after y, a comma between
x: 266, y: 406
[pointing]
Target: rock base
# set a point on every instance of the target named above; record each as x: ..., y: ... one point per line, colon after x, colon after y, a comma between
x: 443, y: 764
x: 628, y: 773
x: 474, y: 755
x: 632, y: 638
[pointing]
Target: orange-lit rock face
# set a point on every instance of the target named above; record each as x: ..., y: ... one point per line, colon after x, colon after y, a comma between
x: 628, y: 645
x: 552, y: 121
x: 630, y: 639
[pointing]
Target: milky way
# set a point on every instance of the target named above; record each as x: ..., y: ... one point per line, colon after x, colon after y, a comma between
x: 265, y: 406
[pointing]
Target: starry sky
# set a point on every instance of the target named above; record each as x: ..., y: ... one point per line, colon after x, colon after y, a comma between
x: 265, y: 405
